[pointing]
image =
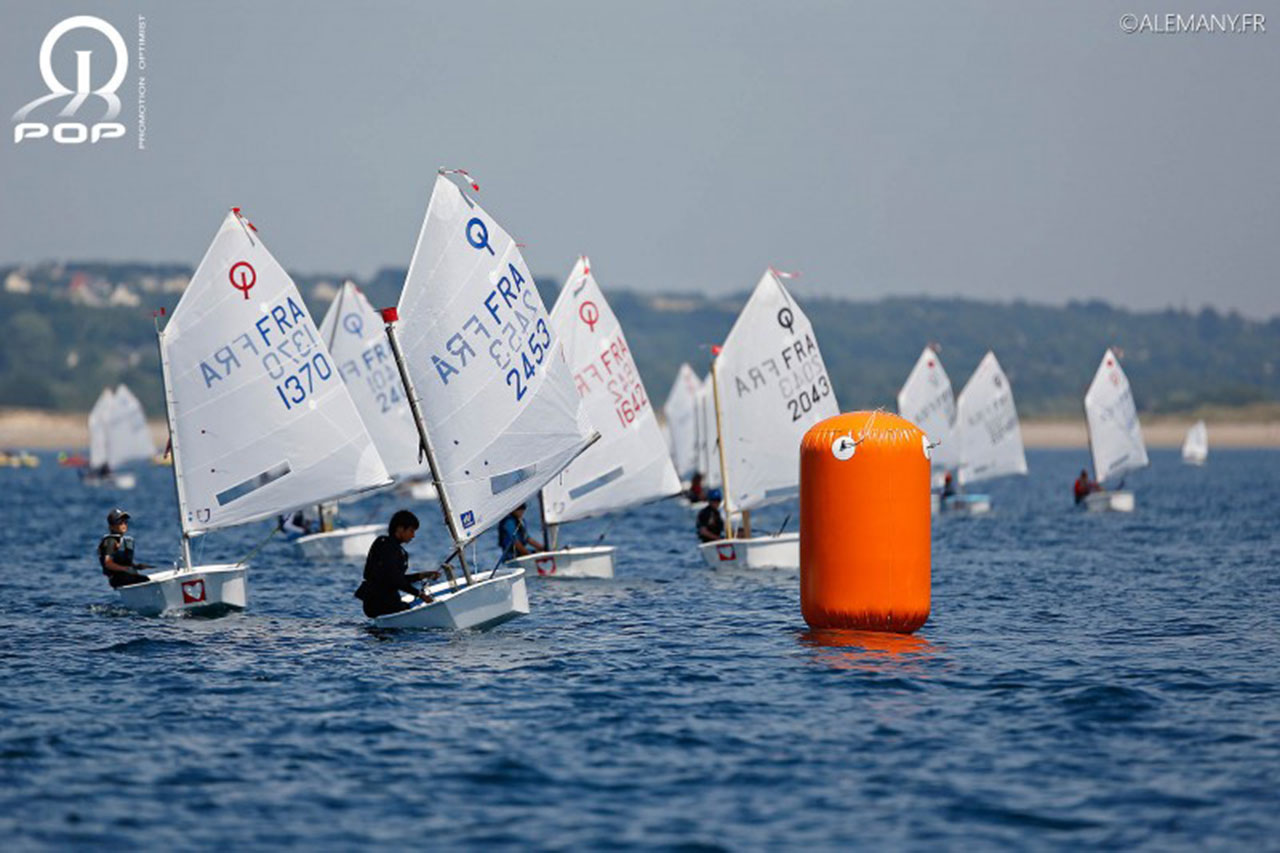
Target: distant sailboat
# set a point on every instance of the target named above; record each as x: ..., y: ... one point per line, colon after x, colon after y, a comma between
x: 927, y: 401
x: 1195, y: 449
x: 1115, y: 435
x: 494, y: 403
x: 681, y: 413
x: 630, y: 464
x: 118, y: 436
x: 769, y: 385
x: 259, y: 421
x: 988, y: 435
x: 353, y: 332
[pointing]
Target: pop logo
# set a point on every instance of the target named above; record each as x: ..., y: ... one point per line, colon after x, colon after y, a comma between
x: 75, y: 132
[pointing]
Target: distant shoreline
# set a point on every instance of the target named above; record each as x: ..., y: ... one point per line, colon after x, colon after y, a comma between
x: 32, y: 429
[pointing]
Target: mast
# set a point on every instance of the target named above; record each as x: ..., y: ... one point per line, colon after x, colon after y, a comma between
x: 173, y: 447
x: 724, y: 469
x: 390, y: 316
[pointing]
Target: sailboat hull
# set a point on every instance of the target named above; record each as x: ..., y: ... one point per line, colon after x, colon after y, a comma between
x: 343, y: 544
x: 419, y: 490
x: 1194, y: 460
x: 200, y: 591
x: 582, y: 562
x: 763, y: 552
x: 967, y: 505
x: 485, y: 604
x: 114, y: 480
x: 1109, y: 502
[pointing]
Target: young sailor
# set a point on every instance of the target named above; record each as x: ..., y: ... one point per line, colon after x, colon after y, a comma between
x: 514, y: 539
x: 115, y: 552
x: 1084, y: 486
x: 386, y: 569
x: 710, y: 523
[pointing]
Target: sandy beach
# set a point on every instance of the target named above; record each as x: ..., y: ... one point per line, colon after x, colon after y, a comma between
x: 32, y: 429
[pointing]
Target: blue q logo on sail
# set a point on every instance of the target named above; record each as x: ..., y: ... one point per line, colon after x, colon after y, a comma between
x: 70, y: 131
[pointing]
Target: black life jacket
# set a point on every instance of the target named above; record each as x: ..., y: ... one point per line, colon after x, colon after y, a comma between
x: 117, y: 546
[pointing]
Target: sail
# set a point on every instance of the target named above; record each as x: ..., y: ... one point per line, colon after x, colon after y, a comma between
x: 355, y: 336
x: 99, y: 416
x: 128, y: 437
x: 630, y: 464
x: 773, y: 386
x: 1115, y: 436
x: 496, y: 393
x: 681, y: 413
x: 708, y: 441
x: 261, y: 421
x: 1196, y: 446
x: 927, y: 401
x: 987, y: 431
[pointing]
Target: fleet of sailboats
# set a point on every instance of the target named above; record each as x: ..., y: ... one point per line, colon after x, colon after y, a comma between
x: 1115, y: 436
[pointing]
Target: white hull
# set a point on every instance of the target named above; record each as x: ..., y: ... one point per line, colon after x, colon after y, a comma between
x: 487, y: 603
x: 345, y: 543
x: 967, y: 505
x: 419, y: 490
x: 114, y: 480
x: 202, y: 589
x: 762, y: 552
x: 1109, y: 502
x: 1195, y: 460
x: 583, y: 562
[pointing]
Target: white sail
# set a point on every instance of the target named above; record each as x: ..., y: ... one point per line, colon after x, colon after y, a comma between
x: 927, y: 401
x: 773, y: 386
x: 128, y: 437
x: 356, y: 338
x: 1196, y: 446
x: 681, y: 413
x: 261, y: 421
x: 630, y: 464
x: 708, y: 440
x: 1115, y: 436
x: 495, y: 392
x: 987, y: 430
x: 99, y: 417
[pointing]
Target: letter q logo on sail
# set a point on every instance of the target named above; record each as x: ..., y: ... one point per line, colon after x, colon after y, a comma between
x: 75, y: 132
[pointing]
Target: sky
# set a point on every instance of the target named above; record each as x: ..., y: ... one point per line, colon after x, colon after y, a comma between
x: 991, y: 150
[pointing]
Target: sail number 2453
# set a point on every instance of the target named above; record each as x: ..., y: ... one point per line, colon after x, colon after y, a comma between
x: 518, y: 375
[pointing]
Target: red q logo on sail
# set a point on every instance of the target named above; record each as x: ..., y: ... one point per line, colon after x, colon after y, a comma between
x: 590, y: 314
x: 243, y: 277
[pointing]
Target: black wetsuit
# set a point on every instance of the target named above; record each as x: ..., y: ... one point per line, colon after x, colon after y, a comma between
x: 119, y: 547
x: 709, y: 517
x: 384, y: 578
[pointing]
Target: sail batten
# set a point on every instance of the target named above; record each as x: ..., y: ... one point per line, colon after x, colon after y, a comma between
x: 264, y: 422
x: 629, y: 465
x: 493, y: 387
x: 1115, y: 435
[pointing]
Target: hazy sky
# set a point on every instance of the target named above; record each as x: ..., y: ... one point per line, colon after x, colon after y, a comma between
x: 993, y: 150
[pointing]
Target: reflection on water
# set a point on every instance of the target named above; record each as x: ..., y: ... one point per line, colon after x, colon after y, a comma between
x: 866, y: 650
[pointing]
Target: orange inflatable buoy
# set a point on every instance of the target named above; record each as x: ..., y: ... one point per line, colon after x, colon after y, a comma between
x: 865, y: 531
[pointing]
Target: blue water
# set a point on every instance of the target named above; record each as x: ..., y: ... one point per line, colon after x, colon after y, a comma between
x: 1083, y: 680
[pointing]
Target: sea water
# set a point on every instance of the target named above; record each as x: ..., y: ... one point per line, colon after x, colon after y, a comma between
x: 1107, y: 680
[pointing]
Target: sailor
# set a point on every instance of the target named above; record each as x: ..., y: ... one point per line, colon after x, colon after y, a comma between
x: 295, y: 526
x: 710, y: 524
x: 514, y: 539
x: 1083, y: 486
x: 386, y: 569
x: 695, y: 492
x: 115, y: 553
x: 948, y: 487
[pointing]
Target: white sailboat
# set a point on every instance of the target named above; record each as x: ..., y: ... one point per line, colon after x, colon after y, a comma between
x: 769, y: 385
x: 1195, y: 448
x: 926, y: 399
x: 630, y: 464
x: 493, y: 400
x: 118, y: 436
x: 708, y: 443
x: 353, y: 333
x: 259, y: 421
x: 1115, y: 436
x: 988, y: 436
x: 681, y: 413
